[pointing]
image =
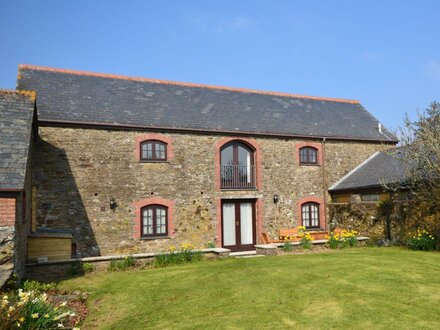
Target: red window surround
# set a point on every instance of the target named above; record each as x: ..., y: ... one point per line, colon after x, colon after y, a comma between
x: 257, y: 154
x: 153, y: 201
x: 157, y: 137
x: 314, y: 199
x: 316, y: 145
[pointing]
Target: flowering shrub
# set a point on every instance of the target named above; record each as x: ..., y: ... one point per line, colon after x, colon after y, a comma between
x: 185, y: 254
x: 32, y: 310
x: 349, y: 238
x: 334, y: 241
x: 305, y: 238
x: 422, y: 240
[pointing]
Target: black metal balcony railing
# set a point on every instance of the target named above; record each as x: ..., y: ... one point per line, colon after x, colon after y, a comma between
x: 238, y: 176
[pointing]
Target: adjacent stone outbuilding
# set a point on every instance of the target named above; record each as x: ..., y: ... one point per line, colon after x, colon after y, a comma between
x: 17, y: 115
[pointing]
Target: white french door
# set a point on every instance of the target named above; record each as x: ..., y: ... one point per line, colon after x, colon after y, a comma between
x: 238, y: 224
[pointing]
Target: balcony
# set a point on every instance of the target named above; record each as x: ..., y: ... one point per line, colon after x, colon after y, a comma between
x: 238, y: 176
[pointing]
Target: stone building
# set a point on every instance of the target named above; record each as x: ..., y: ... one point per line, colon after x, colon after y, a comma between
x: 128, y: 165
x: 17, y: 115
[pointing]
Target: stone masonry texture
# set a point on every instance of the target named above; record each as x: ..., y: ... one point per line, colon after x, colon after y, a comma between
x: 78, y: 170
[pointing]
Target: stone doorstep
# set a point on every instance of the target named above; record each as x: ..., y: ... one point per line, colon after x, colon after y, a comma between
x: 218, y: 251
x: 242, y: 253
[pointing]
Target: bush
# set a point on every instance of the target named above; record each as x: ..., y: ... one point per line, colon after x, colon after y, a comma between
x: 121, y: 264
x: 88, y: 267
x: 349, y: 238
x: 422, y: 240
x: 287, y: 246
x: 305, y: 238
x: 334, y: 241
x: 38, y: 287
x: 31, y: 310
x: 186, y: 254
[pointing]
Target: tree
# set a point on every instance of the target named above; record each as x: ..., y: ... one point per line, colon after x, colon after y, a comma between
x: 421, y: 155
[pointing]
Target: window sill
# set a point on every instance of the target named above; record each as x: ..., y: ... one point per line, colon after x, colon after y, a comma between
x: 154, y: 238
x: 155, y: 161
x: 238, y: 189
x: 305, y: 164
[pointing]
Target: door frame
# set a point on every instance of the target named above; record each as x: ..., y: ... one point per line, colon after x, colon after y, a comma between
x: 239, y: 247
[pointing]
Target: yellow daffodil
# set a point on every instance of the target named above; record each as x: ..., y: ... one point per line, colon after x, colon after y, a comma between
x: 35, y: 316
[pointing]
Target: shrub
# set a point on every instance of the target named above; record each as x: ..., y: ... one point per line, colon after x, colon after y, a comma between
x: 210, y: 245
x: 334, y: 241
x: 287, y: 246
x: 305, y: 238
x: 31, y: 310
x: 349, y: 238
x: 422, y: 240
x: 186, y: 254
x: 74, y: 269
x: 38, y: 287
x: 88, y: 267
x: 121, y: 264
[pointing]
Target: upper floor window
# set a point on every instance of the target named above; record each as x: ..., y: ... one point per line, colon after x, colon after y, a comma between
x: 152, y: 150
x: 237, y: 166
x: 308, y: 155
x: 310, y: 215
x: 154, y: 221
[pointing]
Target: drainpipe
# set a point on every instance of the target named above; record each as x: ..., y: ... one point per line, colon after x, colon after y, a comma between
x: 324, y: 183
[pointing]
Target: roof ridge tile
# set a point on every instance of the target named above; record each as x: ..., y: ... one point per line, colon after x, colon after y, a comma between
x: 183, y: 84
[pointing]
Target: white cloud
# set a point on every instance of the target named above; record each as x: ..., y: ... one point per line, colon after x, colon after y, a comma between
x: 432, y: 68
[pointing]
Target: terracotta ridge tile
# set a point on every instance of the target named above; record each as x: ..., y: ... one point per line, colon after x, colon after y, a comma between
x: 177, y: 83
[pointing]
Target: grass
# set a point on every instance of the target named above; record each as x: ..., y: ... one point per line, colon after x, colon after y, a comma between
x: 380, y: 288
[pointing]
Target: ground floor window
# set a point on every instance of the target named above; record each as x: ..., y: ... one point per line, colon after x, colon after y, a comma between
x: 154, y: 220
x: 310, y: 215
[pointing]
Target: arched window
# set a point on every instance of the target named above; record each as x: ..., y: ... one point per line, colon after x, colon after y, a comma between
x: 308, y: 155
x: 154, y: 221
x: 237, y: 166
x: 153, y: 150
x: 310, y: 215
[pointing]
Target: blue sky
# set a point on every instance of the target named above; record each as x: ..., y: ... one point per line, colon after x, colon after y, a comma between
x: 384, y: 53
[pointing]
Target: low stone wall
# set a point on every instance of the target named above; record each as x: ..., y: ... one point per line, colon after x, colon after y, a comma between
x: 54, y: 271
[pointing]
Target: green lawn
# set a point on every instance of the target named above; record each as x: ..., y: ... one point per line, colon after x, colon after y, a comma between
x: 364, y: 288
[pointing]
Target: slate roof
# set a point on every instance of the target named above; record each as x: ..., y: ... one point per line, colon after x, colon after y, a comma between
x: 381, y: 168
x: 91, y: 98
x: 16, y: 116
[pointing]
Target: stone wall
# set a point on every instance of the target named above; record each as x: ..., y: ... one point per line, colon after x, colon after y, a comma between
x: 77, y: 171
x: 371, y: 219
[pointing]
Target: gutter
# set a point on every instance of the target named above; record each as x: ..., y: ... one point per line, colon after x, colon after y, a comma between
x: 114, y: 126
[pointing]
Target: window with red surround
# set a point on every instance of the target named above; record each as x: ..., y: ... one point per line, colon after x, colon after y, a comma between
x: 154, y: 147
x: 237, y: 164
x: 311, y: 212
x: 308, y: 153
x: 154, y: 218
